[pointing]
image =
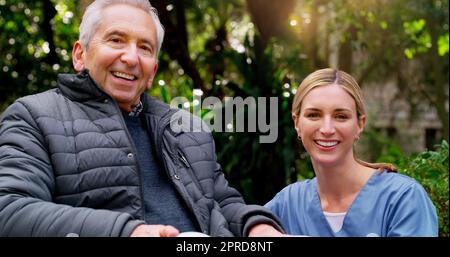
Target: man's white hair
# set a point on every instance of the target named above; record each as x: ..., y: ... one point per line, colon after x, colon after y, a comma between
x: 93, y: 17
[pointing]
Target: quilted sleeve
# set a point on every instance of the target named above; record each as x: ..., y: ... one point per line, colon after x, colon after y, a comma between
x: 27, y: 185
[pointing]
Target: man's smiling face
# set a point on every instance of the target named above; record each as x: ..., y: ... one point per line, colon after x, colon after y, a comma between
x: 121, y: 57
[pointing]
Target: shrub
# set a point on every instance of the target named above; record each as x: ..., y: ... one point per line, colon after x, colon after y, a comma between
x: 430, y: 168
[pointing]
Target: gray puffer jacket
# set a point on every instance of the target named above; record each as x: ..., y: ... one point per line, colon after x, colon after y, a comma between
x: 67, y: 165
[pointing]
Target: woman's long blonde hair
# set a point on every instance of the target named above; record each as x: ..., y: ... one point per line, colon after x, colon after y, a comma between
x: 329, y: 76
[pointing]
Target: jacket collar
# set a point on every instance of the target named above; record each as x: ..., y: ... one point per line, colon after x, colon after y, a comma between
x: 80, y: 87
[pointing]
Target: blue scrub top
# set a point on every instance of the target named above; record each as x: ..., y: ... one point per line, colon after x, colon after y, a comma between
x: 389, y: 204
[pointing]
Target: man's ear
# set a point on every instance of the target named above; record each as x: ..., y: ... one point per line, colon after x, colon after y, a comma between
x: 150, y: 81
x: 78, y: 53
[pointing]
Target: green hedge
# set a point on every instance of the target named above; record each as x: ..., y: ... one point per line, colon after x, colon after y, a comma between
x: 430, y: 168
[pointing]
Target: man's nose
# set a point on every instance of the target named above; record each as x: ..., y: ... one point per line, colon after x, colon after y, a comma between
x: 130, y: 56
x: 327, y: 127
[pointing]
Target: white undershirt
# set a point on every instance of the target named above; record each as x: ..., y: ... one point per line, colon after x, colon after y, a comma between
x: 335, y: 219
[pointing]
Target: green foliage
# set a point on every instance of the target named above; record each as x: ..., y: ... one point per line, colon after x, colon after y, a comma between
x: 443, y: 45
x: 421, y: 39
x: 431, y: 169
x: 28, y: 63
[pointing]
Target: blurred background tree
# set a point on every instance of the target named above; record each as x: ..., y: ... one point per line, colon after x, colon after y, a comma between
x: 262, y: 48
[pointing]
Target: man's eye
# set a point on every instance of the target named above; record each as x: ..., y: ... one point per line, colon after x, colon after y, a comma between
x: 146, y: 49
x: 116, y: 40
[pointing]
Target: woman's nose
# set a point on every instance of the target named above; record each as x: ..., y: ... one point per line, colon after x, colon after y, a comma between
x: 327, y: 127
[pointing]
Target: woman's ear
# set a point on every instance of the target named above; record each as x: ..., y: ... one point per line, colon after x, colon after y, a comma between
x: 78, y: 53
x: 361, y: 124
x: 295, y: 119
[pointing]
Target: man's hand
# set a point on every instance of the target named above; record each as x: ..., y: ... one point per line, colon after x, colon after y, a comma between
x: 264, y: 230
x: 154, y: 231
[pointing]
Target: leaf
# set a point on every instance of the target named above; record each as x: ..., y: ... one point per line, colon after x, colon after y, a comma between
x: 409, y: 53
x: 384, y: 25
x: 443, y: 45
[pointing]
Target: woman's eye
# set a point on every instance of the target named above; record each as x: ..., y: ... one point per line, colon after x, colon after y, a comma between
x: 341, y: 117
x: 312, y: 115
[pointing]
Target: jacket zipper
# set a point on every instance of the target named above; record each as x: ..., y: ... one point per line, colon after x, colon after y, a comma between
x: 164, y: 122
x: 183, y: 159
x: 134, y: 151
x: 108, y: 98
x: 188, y: 168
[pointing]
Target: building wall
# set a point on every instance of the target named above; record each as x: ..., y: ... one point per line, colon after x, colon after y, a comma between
x: 393, y: 118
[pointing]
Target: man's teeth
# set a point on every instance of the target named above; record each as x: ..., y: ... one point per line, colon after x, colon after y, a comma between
x: 123, y: 75
x: 327, y: 143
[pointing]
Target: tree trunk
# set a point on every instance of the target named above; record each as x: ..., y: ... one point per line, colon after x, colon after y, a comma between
x: 346, y: 51
x: 181, y: 21
x: 49, y: 13
x: 310, y: 38
x: 175, y: 43
x: 271, y: 17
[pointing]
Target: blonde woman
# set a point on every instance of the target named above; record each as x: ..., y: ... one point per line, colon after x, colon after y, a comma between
x: 348, y: 197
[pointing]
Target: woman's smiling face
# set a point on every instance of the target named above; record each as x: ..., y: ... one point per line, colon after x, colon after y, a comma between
x: 328, y: 124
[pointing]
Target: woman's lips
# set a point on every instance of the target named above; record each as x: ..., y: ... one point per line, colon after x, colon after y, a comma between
x: 326, y: 145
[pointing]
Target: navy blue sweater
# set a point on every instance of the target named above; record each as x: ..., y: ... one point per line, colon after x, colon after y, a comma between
x: 163, y: 204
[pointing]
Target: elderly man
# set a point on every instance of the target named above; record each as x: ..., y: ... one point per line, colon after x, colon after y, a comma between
x: 96, y: 156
